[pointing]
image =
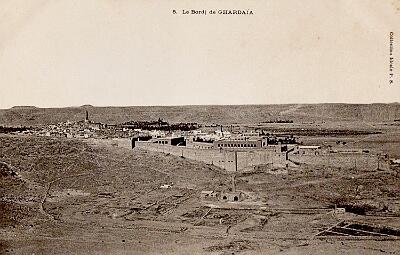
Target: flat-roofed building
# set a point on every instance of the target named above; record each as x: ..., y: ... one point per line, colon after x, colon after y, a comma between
x: 239, y: 144
x: 199, y: 145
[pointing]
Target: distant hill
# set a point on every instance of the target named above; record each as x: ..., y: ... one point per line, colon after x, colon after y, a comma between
x: 23, y: 107
x: 222, y: 114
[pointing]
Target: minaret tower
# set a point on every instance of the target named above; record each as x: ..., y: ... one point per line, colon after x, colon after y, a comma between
x: 86, y: 116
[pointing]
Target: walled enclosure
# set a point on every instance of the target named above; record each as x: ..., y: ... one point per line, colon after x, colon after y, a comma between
x: 246, y: 160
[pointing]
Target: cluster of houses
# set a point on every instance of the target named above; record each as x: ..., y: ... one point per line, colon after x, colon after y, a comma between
x: 164, y: 133
x: 85, y: 129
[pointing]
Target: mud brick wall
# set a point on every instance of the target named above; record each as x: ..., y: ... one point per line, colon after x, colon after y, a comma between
x: 246, y: 160
x: 362, y: 162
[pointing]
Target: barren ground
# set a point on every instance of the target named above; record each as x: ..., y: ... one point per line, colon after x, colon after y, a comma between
x: 66, y: 196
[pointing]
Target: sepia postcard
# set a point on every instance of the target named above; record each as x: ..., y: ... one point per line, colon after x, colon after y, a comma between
x: 200, y: 127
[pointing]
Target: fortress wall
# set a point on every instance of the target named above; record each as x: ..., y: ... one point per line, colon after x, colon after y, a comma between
x: 221, y: 158
x: 247, y: 160
x: 364, y: 162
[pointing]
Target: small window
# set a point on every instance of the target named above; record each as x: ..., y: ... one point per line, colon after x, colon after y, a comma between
x: 224, y: 198
x: 235, y: 198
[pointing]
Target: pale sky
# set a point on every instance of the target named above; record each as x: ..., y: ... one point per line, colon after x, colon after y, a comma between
x: 121, y: 53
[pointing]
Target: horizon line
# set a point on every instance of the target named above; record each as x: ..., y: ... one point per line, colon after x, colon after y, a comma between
x: 185, y: 105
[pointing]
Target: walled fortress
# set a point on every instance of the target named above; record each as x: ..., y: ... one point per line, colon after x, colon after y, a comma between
x: 225, y: 159
x: 270, y: 156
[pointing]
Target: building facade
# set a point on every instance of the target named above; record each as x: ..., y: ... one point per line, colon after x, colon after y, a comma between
x: 239, y: 144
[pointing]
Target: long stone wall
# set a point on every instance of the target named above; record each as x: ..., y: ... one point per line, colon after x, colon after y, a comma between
x: 362, y: 162
x: 246, y: 160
